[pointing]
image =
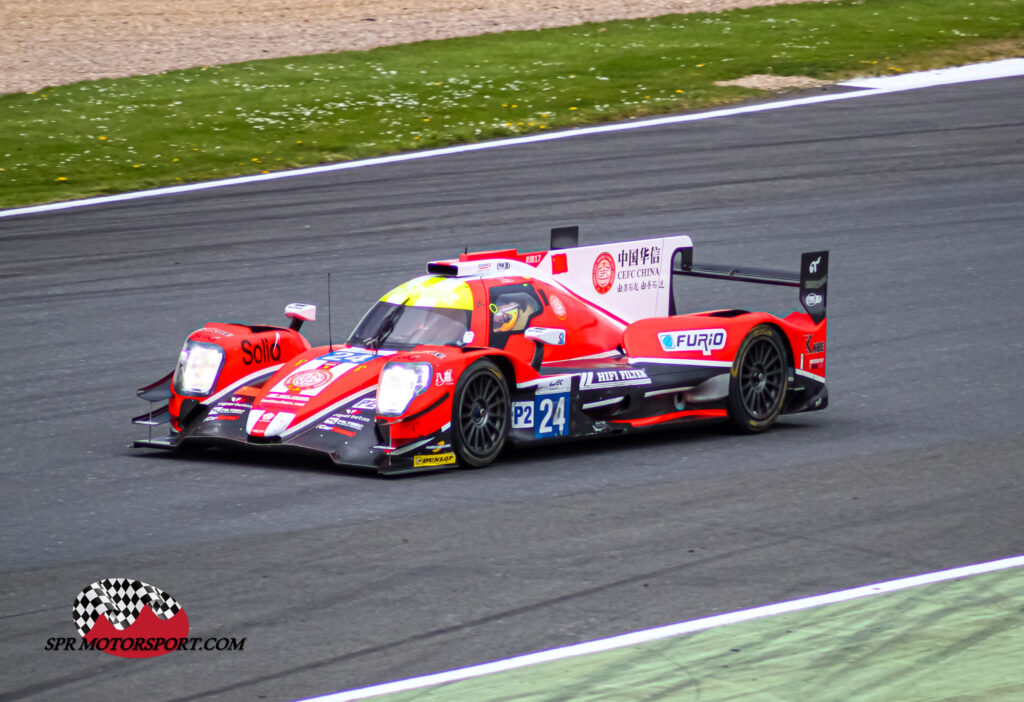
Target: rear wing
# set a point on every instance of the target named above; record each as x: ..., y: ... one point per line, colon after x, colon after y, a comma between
x: 812, y: 279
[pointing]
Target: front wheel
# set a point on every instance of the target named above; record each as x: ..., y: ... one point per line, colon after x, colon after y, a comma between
x: 480, y: 414
x: 757, y: 382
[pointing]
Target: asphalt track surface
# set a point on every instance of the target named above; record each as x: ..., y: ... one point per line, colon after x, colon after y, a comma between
x: 338, y: 580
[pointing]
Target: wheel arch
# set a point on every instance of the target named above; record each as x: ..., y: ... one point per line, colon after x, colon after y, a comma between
x: 787, y: 345
x: 505, y: 366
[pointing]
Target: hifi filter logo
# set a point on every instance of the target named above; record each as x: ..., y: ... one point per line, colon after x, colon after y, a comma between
x: 129, y: 618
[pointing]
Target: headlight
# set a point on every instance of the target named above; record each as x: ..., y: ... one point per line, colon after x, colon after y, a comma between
x: 198, y: 367
x: 399, y: 383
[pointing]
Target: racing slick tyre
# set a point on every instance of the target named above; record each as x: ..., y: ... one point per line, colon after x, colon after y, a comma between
x: 757, y: 381
x: 480, y: 414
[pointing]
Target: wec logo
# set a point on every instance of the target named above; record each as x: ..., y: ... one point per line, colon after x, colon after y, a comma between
x: 703, y: 340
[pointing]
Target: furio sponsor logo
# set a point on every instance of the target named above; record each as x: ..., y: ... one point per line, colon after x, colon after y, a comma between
x: 263, y: 351
x: 440, y: 459
x: 128, y: 618
x: 703, y: 340
x: 604, y: 273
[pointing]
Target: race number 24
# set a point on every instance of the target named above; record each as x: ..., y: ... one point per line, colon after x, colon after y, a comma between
x: 550, y: 415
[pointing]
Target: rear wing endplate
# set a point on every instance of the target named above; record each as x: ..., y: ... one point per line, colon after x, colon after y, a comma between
x: 812, y: 278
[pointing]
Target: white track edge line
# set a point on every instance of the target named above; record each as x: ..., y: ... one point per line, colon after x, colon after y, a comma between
x: 1005, y: 68
x: 647, y: 635
x: 446, y: 151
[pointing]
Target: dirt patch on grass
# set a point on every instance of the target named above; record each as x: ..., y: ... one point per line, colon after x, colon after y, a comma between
x: 54, y: 43
x: 763, y: 81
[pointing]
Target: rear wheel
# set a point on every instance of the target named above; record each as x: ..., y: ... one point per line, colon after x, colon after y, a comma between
x: 757, y: 383
x: 480, y: 414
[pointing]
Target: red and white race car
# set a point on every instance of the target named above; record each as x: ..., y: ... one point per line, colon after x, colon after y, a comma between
x: 501, y: 347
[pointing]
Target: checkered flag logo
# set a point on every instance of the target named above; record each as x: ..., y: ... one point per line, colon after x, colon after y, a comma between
x: 122, y: 600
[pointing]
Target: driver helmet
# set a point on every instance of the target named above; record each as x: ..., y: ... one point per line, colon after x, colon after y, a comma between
x: 506, y: 316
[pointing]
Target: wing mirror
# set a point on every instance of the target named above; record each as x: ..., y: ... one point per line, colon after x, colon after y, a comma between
x: 546, y: 335
x: 300, y: 312
x: 541, y: 337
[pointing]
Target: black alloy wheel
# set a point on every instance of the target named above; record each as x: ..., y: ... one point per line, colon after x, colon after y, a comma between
x: 480, y: 414
x: 757, y: 383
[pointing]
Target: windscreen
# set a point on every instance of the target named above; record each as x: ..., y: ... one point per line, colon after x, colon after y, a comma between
x: 389, y: 325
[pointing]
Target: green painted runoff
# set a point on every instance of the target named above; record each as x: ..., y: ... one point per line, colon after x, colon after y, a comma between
x: 958, y: 640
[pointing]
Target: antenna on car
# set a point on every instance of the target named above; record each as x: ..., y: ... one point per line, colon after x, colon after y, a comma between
x: 330, y: 333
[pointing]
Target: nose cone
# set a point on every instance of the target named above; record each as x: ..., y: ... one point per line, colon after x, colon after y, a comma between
x: 267, y: 423
x: 312, y: 384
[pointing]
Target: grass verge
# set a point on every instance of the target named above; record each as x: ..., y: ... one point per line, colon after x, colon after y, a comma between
x: 956, y: 640
x: 108, y: 136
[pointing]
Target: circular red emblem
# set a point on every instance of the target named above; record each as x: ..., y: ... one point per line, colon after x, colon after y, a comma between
x: 304, y: 380
x: 604, y: 273
x: 558, y: 307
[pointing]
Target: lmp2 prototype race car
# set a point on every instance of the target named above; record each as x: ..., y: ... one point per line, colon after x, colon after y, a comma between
x: 500, y: 347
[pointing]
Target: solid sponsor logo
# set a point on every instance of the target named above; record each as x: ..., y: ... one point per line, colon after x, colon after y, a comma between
x: 703, y: 340
x: 552, y: 385
x: 352, y: 421
x: 604, y: 273
x: 558, y: 307
x: 639, y: 270
x: 225, y: 412
x: 308, y: 379
x: 816, y: 347
x: 263, y: 351
x: 640, y: 256
x: 813, y: 299
x: 283, y: 398
x: 614, y: 379
x: 235, y: 404
x: 440, y: 459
